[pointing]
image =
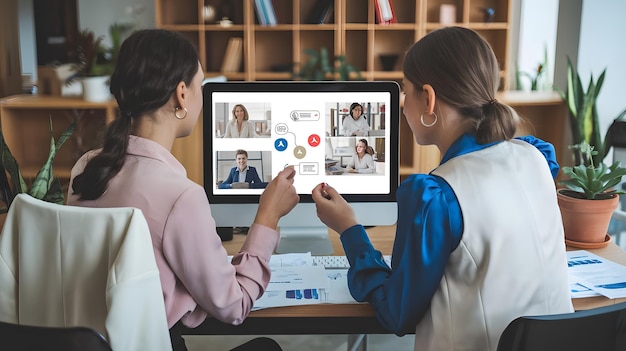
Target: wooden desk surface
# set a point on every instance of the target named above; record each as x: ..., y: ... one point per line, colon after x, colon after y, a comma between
x: 382, y: 238
x: 345, y: 318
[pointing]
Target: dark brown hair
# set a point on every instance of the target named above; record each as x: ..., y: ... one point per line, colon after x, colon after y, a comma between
x: 463, y: 70
x: 150, y: 65
x: 355, y: 105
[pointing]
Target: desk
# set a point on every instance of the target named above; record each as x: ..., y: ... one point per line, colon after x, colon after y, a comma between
x: 347, y: 318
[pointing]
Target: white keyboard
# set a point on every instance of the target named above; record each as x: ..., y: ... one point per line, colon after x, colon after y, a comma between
x: 339, y: 262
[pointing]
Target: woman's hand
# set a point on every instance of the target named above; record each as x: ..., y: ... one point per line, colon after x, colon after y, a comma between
x: 278, y: 198
x: 332, y: 208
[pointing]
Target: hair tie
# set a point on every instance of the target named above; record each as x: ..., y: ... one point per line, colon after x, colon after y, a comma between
x: 127, y: 114
x: 489, y: 104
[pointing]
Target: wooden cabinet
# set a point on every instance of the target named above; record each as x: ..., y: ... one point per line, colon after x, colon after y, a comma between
x: 270, y: 52
x: 26, y: 128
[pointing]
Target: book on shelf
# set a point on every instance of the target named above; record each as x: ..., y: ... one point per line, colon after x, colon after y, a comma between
x: 265, y: 12
x: 384, y: 12
x: 320, y: 12
x: 233, y: 55
x: 271, y: 13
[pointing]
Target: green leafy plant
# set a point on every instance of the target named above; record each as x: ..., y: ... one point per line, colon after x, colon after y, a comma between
x: 44, y: 186
x: 590, y: 181
x: 535, y: 76
x: 584, y: 119
x: 92, y: 57
x: 319, y: 67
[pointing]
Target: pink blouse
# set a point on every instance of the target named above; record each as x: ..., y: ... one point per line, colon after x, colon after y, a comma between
x: 196, y: 277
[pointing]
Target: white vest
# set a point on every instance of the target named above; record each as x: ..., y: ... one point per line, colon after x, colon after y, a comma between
x: 511, y: 260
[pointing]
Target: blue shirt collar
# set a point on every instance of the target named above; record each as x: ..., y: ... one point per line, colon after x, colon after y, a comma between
x: 465, y: 144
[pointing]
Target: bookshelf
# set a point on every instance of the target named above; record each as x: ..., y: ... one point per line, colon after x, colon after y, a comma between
x: 25, y: 121
x: 351, y: 29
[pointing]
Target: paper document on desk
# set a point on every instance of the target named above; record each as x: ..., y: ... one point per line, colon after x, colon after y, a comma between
x: 339, y: 291
x: 595, y: 273
x: 296, y: 281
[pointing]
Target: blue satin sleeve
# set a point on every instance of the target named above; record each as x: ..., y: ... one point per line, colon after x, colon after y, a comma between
x: 429, y: 228
x: 546, y: 149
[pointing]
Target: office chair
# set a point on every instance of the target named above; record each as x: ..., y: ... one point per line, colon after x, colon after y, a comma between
x: 15, y: 337
x: 598, y: 329
x: 616, y: 139
x: 68, y: 266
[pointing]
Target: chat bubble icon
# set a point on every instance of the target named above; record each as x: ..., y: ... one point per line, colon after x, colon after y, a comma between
x: 281, y: 128
x: 305, y: 115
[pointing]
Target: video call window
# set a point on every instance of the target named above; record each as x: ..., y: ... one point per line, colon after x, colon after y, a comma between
x: 338, y: 134
x: 256, y: 119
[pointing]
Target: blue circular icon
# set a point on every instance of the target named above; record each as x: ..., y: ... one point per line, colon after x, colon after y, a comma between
x: 280, y: 144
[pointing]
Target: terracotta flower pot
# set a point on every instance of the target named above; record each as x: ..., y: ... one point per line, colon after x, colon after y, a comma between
x: 586, y: 221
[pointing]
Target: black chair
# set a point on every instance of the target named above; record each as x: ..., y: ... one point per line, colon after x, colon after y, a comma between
x: 14, y: 337
x: 597, y: 329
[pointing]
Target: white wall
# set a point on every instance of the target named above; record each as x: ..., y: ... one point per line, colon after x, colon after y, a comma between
x: 602, y: 46
x: 537, y: 32
x: 98, y: 15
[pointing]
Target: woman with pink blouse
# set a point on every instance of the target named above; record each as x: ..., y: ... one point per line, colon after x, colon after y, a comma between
x: 157, y: 85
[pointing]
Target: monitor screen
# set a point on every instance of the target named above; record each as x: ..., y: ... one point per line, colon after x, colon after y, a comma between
x: 314, y: 126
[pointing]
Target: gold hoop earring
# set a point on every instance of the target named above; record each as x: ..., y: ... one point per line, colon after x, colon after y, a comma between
x: 428, y: 125
x: 179, y: 109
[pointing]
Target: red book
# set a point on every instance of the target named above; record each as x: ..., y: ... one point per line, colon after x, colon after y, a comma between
x: 385, y: 13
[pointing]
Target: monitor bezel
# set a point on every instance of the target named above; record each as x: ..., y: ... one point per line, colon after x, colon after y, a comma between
x: 302, y: 86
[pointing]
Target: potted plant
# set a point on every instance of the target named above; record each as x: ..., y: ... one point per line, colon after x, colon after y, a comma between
x: 44, y: 186
x: 584, y: 119
x: 319, y: 67
x: 95, y: 62
x: 589, y: 199
x: 534, y: 78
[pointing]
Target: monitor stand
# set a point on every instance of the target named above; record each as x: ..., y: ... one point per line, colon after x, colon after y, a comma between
x: 305, y: 239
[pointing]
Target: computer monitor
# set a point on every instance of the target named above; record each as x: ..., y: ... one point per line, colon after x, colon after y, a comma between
x: 300, y: 124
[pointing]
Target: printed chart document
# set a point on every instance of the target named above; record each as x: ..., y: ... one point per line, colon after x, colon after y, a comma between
x: 296, y: 281
x: 592, y: 275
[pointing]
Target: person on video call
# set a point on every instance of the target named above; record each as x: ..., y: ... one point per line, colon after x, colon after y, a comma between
x: 242, y: 173
x: 157, y: 85
x: 479, y: 240
x: 356, y: 124
x: 239, y: 126
x: 362, y: 161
